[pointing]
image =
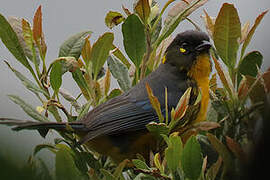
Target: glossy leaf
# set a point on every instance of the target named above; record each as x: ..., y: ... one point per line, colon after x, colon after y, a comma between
x: 256, y: 89
x: 116, y: 51
x: 209, y: 23
x: 65, y: 167
x: 192, y: 159
x: 142, y: 8
x: 182, y: 105
x: 173, y: 152
x: 26, y: 82
x: 119, y: 72
x: 157, y: 162
x: 25, y: 37
x: 250, y: 64
x: 56, y: 76
x: 140, y: 164
x: 86, y: 50
x: 222, y: 151
x: 73, y: 45
x: 114, y: 93
x: 154, y: 102
x: 251, y: 32
x: 158, y: 128
x: 67, y: 96
x: 37, y: 25
x: 227, y: 32
x: 113, y: 18
x: 28, y: 109
x: 42, y: 146
x: 244, y: 31
x: 10, y: 40
x: 236, y: 149
x: 243, y: 88
x: 81, y: 82
x: 107, y: 82
x: 224, y: 76
x: 134, y: 39
x: 100, y: 52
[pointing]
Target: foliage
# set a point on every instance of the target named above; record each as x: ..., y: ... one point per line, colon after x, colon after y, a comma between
x: 232, y: 114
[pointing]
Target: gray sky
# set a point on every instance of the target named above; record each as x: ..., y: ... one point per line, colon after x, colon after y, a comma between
x: 63, y: 18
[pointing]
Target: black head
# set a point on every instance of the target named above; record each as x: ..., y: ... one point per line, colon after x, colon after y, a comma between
x: 186, y: 46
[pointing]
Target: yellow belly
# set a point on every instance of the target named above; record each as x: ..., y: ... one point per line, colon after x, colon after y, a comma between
x: 200, y: 72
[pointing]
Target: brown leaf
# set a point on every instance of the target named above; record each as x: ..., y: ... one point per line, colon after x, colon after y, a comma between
x: 244, y: 31
x: 154, y: 102
x: 243, y: 88
x: 107, y: 82
x: 236, y: 149
x: 252, y: 31
x: 209, y: 23
x: 266, y: 80
x: 182, y: 105
x: 86, y: 50
x: 256, y: 89
x: 206, y: 125
x: 142, y: 8
x: 213, y: 82
x: 224, y: 76
x: 37, y: 25
x: 126, y: 10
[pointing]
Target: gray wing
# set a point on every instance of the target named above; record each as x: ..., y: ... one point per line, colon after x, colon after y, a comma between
x: 118, y: 115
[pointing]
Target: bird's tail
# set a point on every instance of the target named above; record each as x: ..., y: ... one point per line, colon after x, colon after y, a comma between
x: 43, y: 127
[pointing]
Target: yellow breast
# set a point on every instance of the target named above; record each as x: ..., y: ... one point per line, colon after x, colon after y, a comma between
x: 200, y: 72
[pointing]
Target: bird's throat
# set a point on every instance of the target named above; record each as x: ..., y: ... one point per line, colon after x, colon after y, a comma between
x: 200, y: 72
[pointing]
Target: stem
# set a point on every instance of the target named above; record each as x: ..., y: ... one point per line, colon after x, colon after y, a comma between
x: 160, y: 15
x: 148, y: 53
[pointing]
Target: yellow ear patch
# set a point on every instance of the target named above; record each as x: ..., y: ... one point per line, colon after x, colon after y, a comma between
x: 182, y: 50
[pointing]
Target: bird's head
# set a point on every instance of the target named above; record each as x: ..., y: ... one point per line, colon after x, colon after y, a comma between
x: 184, y: 50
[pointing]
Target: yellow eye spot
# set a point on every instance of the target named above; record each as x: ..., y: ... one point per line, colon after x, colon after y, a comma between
x: 182, y: 50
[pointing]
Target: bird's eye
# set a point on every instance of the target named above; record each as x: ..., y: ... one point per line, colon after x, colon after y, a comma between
x: 183, y: 50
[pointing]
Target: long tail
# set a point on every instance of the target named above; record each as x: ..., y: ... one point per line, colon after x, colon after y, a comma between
x: 43, y: 127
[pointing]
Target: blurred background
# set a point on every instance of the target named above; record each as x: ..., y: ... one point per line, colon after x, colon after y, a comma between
x: 63, y: 18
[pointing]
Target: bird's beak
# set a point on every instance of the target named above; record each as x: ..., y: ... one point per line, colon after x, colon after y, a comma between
x: 203, y: 46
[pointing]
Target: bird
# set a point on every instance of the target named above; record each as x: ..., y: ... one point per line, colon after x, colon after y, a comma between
x: 117, y: 128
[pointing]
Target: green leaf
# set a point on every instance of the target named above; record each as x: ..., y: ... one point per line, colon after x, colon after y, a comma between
x: 173, y: 152
x: 227, y: 32
x: 222, y: 151
x: 73, y: 45
x: 191, y: 159
x: 158, y: 128
x: 142, y: 8
x: 28, y: 109
x: 256, y: 89
x: 250, y: 64
x: 107, y: 174
x: 26, y: 82
x: 24, y: 33
x: 100, y: 52
x: 134, y: 39
x: 80, y: 80
x: 140, y: 164
x: 114, y: 93
x: 65, y: 167
x: 10, y: 40
x: 42, y: 146
x: 116, y: 51
x: 119, y: 72
x: 56, y: 76
x: 113, y: 18
x: 251, y: 32
x: 84, y: 110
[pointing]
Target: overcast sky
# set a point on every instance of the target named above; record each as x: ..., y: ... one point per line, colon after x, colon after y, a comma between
x: 63, y: 18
